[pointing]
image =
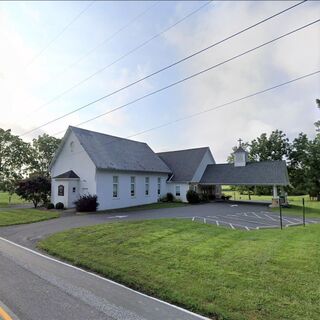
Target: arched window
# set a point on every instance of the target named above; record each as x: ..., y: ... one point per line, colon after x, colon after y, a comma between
x: 72, y: 146
x: 60, y: 190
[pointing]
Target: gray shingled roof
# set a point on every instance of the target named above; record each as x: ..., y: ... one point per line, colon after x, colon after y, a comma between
x: 183, y: 163
x: 114, y: 153
x: 69, y: 175
x: 254, y: 173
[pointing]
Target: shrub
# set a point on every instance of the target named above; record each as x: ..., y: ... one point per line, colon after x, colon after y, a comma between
x: 87, y: 203
x: 35, y: 188
x: 204, y: 197
x: 59, y: 206
x: 170, y: 197
x: 193, y: 197
x: 224, y: 197
x: 50, y: 206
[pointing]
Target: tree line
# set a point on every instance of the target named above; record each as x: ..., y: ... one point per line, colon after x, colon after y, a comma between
x: 20, y: 159
x: 302, y: 155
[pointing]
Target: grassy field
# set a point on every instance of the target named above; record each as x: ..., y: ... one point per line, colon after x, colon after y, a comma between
x: 220, y: 273
x: 4, y: 199
x: 312, y: 207
x: 21, y: 216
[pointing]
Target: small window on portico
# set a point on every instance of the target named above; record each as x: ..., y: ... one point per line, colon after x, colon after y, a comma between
x: 61, y: 190
x: 74, y: 189
x: 72, y: 146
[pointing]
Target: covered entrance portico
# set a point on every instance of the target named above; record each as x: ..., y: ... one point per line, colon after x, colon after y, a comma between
x: 242, y: 173
x: 65, y: 188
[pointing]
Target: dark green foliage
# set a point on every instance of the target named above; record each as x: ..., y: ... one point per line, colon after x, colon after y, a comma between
x: 43, y: 150
x: 59, y: 206
x: 35, y: 188
x: 15, y: 158
x: 193, y: 197
x: 87, y: 203
x: 50, y: 206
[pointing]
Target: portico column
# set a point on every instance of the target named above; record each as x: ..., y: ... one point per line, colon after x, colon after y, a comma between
x: 275, y: 193
x: 275, y: 200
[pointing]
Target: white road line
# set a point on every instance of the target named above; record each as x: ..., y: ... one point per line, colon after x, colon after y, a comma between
x: 232, y: 226
x: 104, y: 279
x: 256, y: 215
x: 273, y: 219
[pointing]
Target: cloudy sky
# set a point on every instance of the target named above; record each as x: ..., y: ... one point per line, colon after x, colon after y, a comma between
x: 58, y: 56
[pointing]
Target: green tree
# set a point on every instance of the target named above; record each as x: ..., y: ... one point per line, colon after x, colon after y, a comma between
x: 298, y: 164
x: 317, y: 124
x: 15, y: 157
x: 44, y: 148
x: 35, y: 189
x: 274, y: 147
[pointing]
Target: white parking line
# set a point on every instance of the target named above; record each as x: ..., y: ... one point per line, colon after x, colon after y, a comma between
x: 193, y: 218
x: 247, y: 228
x: 217, y: 222
x: 245, y: 214
x: 273, y: 219
x: 204, y: 220
x: 256, y: 215
x: 232, y: 226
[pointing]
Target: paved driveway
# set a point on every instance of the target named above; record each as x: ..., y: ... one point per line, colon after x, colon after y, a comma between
x: 242, y: 216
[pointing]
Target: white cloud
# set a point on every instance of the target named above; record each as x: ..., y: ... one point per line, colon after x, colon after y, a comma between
x: 287, y: 108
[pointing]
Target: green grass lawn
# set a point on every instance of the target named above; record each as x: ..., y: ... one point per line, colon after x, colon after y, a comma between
x: 220, y: 273
x: 150, y: 206
x: 4, y: 199
x: 21, y: 216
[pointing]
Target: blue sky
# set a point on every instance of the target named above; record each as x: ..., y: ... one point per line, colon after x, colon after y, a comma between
x: 28, y: 27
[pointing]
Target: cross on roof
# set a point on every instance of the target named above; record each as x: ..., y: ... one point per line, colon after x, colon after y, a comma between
x: 240, y: 140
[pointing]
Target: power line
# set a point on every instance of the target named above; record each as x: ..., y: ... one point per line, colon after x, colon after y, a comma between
x: 193, y: 54
x: 251, y: 95
x: 122, y: 57
x: 59, y: 34
x: 103, y: 42
x: 172, y: 84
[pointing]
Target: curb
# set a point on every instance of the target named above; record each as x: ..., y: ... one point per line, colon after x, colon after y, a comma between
x: 6, y: 313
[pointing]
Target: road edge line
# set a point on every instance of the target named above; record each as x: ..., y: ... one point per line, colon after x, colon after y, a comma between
x: 102, y: 278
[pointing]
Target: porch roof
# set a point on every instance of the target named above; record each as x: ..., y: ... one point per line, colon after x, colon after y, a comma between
x: 254, y: 173
x: 67, y: 175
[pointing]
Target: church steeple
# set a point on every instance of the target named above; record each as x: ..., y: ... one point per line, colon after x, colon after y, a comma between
x: 240, y: 156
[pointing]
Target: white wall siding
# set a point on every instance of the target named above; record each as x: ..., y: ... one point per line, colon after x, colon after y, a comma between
x: 207, y: 159
x: 78, y: 161
x: 105, y: 189
x: 184, y: 187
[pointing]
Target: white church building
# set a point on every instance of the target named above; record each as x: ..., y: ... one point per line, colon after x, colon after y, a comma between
x: 125, y: 173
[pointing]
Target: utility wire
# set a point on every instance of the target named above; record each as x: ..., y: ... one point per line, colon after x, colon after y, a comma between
x: 59, y: 34
x: 251, y: 95
x: 122, y: 57
x: 102, y: 43
x: 189, y: 56
x: 172, y: 84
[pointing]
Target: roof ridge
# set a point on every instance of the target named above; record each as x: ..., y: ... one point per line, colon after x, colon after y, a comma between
x: 105, y: 134
x: 181, y: 150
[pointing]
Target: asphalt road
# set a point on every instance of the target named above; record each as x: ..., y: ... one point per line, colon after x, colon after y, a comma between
x: 37, y: 287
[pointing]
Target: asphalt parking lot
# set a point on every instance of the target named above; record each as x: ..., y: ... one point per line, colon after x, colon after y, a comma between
x: 250, y: 220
